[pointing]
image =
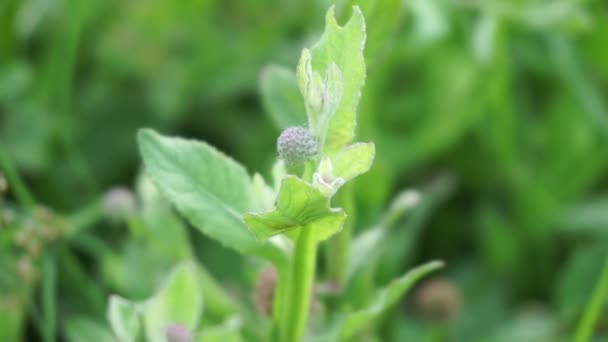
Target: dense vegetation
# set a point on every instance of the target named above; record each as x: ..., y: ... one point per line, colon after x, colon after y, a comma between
x: 490, y: 124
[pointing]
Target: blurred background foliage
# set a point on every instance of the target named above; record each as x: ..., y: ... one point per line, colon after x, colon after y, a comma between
x: 495, y: 110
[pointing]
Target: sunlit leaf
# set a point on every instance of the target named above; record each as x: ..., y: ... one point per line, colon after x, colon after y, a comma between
x: 179, y: 301
x: 211, y: 190
x: 354, y: 160
x: 299, y: 205
x: 341, y: 46
x: 123, y: 318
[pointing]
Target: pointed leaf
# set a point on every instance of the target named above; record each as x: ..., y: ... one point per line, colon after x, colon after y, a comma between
x: 344, y: 47
x: 123, y: 318
x: 322, y: 94
x: 211, y: 190
x: 298, y: 205
x: 354, y: 160
x: 384, y: 299
x: 178, y: 301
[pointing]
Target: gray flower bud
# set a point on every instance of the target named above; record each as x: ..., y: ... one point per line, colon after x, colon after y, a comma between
x: 119, y: 203
x: 296, y: 145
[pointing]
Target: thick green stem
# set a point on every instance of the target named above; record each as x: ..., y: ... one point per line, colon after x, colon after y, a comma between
x: 301, y: 285
x: 594, y: 308
x: 281, y: 300
x: 338, y: 248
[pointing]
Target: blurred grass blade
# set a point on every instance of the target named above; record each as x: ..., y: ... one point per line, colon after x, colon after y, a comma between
x: 383, y: 300
x: 594, y: 308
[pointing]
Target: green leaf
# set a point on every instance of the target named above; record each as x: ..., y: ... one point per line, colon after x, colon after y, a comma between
x: 298, y: 205
x: 342, y: 46
x: 226, y: 332
x: 82, y: 328
x: 384, y: 299
x: 178, y: 301
x: 219, y: 334
x: 123, y: 318
x: 354, y: 160
x: 211, y: 190
x: 263, y: 195
x: 281, y: 97
x: 322, y: 95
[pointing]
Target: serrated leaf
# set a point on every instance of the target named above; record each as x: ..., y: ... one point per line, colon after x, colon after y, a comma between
x: 384, y: 299
x: 211, y: 190
x: 344, y: 47
x: 123, y: 318
x: 298, y: 205
x: 281, y: 97
x: 178, y: 301
x: 354, y: 160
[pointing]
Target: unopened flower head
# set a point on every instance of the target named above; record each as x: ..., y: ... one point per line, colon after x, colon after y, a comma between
x: 119, y: 203
x: 296, y: 145
x: 178, y: 333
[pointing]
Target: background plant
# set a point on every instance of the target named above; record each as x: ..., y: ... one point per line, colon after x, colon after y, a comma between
x: 494, y: 111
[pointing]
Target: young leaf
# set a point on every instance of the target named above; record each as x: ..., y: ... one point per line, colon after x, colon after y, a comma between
x: 179, y: 301
x: 208, y: 188
x: 123, y: 318
x: 281, y: 97
x: 354, y: 160
x: 384, y: 299
x: 226, y: 332
x: 344, y: 47
x: 322, y: 95
x: 263, y: 195
x: 298, y: 205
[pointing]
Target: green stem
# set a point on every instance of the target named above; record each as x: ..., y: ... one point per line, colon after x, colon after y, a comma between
x: 594, y: 308
x: 21, y: 192
x: 301, y: 284
x: 281, y: 300
x: 338, y: 247
x: 49, y: 305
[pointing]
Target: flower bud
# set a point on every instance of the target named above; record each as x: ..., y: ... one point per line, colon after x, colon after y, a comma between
x: 119, y: 203
x: 178, y: 333
x: 296, y: 145
x: 264, y: 290
x: 438, y: 300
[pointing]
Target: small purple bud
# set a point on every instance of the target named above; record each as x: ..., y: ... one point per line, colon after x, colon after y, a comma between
x: 178, y: 333
x: 296, y: 145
